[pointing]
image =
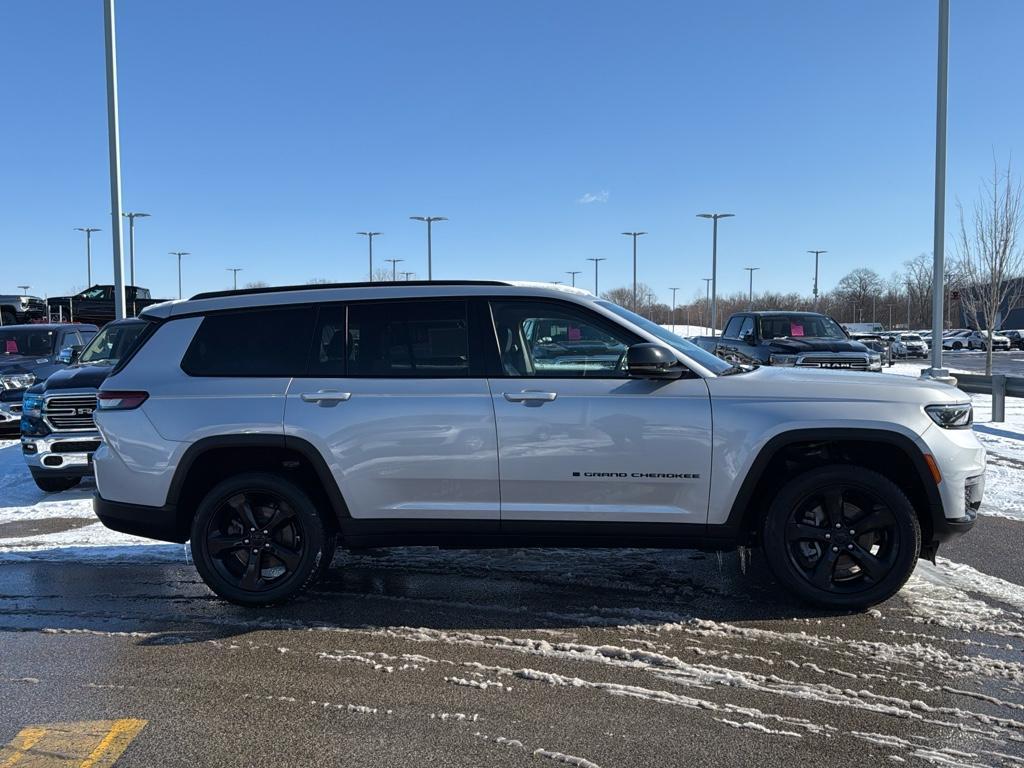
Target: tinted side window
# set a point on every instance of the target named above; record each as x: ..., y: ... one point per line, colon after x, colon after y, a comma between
x: 732, y: 328
x: 408, y: 338
x: 547, y: 339
x: 747, y: 327
x: 255, y: 342
x: 328, y: 353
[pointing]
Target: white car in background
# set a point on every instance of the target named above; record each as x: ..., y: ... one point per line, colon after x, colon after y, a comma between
x: 979, y: 340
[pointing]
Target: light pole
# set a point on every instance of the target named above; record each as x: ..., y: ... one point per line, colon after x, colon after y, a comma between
x: 750, y: 299
x: 88, y: 251
x: 132, y: 216
x: 714, y: 264
x: 406, y: 275
x: 707, y: 299
x: 429, y: 220
x: 234, y: 275
x: 179, y: 254
x: 673, y: 308
x: 936, y: 371
x: 634, y: 235
x: 817, y: 254
x: 573, y: 273
x: 369, y: 236
x: 394, y: 266
x: 114, y: 151
x: 596, y: 262
x: 24, y: 289
x: 890, y: 318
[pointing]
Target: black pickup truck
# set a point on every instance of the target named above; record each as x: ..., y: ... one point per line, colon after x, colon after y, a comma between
x: 805, y: 339
x: 96, y: 304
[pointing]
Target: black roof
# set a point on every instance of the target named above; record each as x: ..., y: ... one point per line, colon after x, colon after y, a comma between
x: 324, y: 286
x: 786, y: 312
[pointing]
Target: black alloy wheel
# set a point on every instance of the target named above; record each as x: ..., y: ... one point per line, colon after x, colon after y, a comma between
x: 842, y: 536
x: 258, y: 540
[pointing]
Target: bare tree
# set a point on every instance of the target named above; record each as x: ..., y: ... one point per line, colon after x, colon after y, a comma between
x: 646, y: 298
x: 989, y: 254
x: 257, y: 284
x: 319, y: 281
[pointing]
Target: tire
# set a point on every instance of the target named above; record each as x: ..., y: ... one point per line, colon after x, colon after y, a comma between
x: 957, y: 346
x: 56, y: 484
x: 801, y: 527
x: 291, y: 552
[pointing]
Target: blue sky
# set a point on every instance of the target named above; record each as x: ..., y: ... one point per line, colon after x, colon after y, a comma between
x: 264, y: 134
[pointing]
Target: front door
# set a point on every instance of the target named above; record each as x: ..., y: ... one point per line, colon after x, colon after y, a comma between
x: 394, y: 404
x: 578, y: 439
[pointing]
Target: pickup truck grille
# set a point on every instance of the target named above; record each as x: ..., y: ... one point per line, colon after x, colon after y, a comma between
x: 844, y: 362
x: 70, y: 413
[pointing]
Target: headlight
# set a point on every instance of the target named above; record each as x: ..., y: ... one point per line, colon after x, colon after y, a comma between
x: 18, y: 380
x: 783, y: 359
x: 959, y: 416
x: 32, y: 405
x: 874, y: 362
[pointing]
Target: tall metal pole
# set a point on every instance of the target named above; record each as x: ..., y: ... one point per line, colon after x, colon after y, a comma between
x: 673, y: 307
x: 394, y: 268
x: 714, y: 264
x: 634, y: 235
x: 430, y: 256
x: 939, y: 235
x: 113, y: 133
x: 573, y: 273
x: 817, y: 254
x: 750, y: 298
x: 88, y: 251
x: 179, y: 254
x: 131, y: 216
x: 596, y: 262
x: 369, y: 236
x: 234, y: 276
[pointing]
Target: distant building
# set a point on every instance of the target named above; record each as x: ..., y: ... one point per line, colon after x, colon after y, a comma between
x: 1011, y: 313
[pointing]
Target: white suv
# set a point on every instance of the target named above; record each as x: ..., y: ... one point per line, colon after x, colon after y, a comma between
x: 266, y: 425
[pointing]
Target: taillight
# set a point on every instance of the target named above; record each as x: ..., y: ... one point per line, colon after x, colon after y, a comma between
x: 121, y: 401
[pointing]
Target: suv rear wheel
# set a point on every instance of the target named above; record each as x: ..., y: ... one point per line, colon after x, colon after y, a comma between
x: 257, y: 539
x: 842, y: 536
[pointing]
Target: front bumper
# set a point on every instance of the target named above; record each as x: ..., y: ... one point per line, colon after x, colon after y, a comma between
x: 10, y: 414
x: 68, y: 455
x: 160, y: 523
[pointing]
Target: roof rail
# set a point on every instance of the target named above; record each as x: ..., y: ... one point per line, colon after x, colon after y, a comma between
x: 324, y: 286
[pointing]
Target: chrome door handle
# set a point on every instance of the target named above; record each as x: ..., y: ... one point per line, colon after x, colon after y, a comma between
x: 325, y: 397
x: 530, y: 397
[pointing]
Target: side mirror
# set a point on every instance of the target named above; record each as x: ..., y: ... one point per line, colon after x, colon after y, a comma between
x: 652, y: 361
x: 69, y: 355
x: 747, y: 338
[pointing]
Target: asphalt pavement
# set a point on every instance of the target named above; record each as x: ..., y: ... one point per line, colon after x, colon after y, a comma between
x: 467, y: 658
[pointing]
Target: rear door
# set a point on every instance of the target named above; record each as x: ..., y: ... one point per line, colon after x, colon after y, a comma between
x: 394, y: 400
x: 578, y: 440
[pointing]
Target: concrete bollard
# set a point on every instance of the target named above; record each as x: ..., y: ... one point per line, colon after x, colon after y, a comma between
x: 998, y: 397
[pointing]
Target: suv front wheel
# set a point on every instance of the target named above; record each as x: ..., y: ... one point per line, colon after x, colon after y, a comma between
x: 257, y: 540
x: 842, y: 536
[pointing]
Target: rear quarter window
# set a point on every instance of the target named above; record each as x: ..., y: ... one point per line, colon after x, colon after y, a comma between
x: 255, y: 342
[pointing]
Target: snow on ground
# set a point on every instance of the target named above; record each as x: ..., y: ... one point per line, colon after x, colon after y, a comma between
x: 1004, y: 476
x: 78, y: 535
x: 687, y: 330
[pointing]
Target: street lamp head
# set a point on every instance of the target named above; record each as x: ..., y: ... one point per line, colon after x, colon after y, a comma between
x: 135, y: 215
x: 88, y: 229
x: 179, y: 253
x: 370, y: 234
x: 715, y: 215
x: 634, y: 234
x: 817, y: 252
x: 429, y: 219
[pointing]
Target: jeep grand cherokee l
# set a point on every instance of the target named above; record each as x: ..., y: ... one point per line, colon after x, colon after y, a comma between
x: 265, y: 426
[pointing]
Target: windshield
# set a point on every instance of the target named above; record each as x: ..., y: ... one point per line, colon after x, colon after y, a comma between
x: 910, y: 337
x: 111, y: 344
x: 714, y: 364
x: 26, y: 341
x: 800, y: 326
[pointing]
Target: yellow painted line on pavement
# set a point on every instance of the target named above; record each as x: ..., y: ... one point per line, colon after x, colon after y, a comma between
x: 86, y: 744
x: 20, y: 744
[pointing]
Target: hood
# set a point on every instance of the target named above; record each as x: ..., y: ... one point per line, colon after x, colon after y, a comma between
x: 810, y: 344
x: 21, y: 363
x: 783, y: 383
x: 78, y: 377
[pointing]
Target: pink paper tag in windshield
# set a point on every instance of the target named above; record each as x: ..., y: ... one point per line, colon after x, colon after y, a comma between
x: 575, y: 334
x: 11, y: 347
x: 796, y: 330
